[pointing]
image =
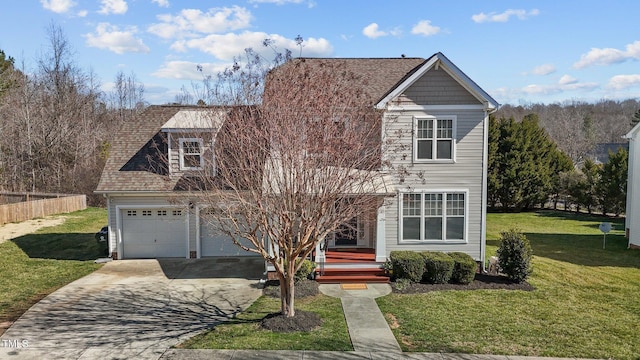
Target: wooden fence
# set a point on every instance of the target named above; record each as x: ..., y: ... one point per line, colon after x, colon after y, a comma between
x: 48, y: 204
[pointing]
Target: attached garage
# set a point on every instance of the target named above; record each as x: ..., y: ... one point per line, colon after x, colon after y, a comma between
x: 154, y: 233
x: 215, y: 244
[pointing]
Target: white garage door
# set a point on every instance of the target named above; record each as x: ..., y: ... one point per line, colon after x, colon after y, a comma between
x: 154, y: 233
x: 215, y: 244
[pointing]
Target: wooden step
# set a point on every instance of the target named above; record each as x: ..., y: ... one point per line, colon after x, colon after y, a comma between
x: 351, y: 275
x: 340, y: 279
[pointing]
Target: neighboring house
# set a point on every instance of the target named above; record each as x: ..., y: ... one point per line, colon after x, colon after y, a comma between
x: 439, y: 204
x: 600, y: 152
x: 633, y: 189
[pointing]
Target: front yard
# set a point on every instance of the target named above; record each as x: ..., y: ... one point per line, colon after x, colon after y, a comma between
x: 33, y: 266
x: 585, y: 304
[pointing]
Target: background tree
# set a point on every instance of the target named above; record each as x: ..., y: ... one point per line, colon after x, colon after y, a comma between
x: 525, y: 164
x: 290, y: 172
x: 612, y: 187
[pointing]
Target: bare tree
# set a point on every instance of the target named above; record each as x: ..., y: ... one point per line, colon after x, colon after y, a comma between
x: 290, y: 172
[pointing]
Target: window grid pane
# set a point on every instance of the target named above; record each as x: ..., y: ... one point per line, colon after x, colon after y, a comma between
x: 445, y: 129
x: 425, y: 129
x: 455, y: 204
x: 433, y: 204
x: 411, y: 204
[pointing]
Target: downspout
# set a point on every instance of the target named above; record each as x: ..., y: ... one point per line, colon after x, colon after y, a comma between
x: 485, y: 168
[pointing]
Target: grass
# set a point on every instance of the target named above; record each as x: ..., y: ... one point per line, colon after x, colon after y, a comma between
x: 35, y: 265
x: 585, y: 304
x: 245, y: 332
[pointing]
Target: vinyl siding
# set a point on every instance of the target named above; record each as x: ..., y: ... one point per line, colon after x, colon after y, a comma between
x: 437, y: 87
x: 465, y: 174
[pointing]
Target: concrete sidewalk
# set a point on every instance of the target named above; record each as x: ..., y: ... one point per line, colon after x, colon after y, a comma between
x: 368, y: 328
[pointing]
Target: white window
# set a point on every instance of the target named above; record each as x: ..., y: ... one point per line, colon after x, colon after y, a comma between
x: 191, y: 154
x: 434, y: 138
x: 433, y: 216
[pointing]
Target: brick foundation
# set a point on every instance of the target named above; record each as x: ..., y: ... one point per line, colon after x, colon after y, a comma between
x: 193, y: 255
x: 114, y: 255
x: 634, y: 246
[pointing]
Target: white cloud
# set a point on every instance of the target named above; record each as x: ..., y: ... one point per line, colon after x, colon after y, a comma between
x: 82, y: 13
x: 190, y: 22
x: 187, y: 70
x: 111, y: 38
x: 504, y: 16
x: 161, y: 3
x: 226, y: 46
x: 567, y: 80
x: 372, y: 31
x: 620, y: 82
x: 545, y: 69
x: 113, y: 7
x: 58, y: 6
x: 608, y: 56
x: 565, y: 83
x: 425, y: 28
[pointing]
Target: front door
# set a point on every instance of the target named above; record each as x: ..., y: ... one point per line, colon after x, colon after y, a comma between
x: 347, y: 234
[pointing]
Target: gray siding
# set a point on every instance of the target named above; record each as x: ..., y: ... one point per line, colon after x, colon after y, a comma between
x: 437, y: 87
x: 465, y: 174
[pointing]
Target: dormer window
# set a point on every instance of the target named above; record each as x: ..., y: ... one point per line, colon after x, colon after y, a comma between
x: 191, y: 154
x: 434, y: 138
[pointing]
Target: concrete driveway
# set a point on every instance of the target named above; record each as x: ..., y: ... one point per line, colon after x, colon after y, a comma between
x: 133, y: 309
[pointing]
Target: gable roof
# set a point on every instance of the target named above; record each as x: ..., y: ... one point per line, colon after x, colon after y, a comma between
x: 134, y: 163
x: 439, y: 61
x: 383, y: 79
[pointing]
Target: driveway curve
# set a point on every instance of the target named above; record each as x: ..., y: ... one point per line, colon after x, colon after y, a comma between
x: 134, y: 309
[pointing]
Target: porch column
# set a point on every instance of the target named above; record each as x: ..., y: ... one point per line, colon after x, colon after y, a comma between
x: 381, y: 246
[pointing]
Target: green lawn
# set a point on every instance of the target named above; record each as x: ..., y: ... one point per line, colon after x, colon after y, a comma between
x: 34, y: 265
x: 245, y: 332
x: 585, y: 303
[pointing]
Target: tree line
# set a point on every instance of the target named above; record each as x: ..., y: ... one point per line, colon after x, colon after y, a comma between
x: 57, y: 122
x: 527, y: 169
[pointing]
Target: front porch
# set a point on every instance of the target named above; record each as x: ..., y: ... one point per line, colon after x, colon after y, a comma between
x: 349, y: 265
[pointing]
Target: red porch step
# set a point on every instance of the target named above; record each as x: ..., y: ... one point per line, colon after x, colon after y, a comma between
x: 351, y: 275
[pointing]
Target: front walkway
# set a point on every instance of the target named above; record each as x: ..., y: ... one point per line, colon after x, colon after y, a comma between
x: 368, y: 328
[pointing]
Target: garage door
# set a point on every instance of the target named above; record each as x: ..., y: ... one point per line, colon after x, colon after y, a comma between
x: 154, y: 233
x: 215, y: 244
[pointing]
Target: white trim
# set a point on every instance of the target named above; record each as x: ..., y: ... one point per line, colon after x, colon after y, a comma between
x: 444, y: 192
x: 198, y: 240
x: 135, y: 207
x: 483, y: 204
x: 181, y: 153
x: 434, y: 144
x: 169, y: 154
x: 435, y: 107
x: 443, y: 62
x: 381, y: 241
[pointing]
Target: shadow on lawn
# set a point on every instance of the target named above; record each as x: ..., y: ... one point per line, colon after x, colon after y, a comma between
x: 61, y: 246
x: 583, y: 249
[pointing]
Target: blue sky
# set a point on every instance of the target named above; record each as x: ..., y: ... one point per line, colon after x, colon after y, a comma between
x: 518, y: 51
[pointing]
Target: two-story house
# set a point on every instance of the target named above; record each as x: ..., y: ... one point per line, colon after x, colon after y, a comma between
x: 438, y: 204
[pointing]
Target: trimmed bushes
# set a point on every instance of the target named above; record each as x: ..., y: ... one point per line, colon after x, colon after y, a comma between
x: 438, y: 267
x: 407, y: 265
x: 305, y: 270
x: 514, y: 255
x: 432, y: 267
x: 464, y: 269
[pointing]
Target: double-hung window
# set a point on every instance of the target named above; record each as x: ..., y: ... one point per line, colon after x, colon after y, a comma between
x: 434, y: 138
x: 433, y: 216
x: 191, y: 154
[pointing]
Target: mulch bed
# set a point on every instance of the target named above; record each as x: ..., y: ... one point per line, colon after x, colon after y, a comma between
x: 481, y: 281
x: 302, y: 321
x: 303, y: 288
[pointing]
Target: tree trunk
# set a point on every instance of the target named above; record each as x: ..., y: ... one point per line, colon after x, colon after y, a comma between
x: 287, y: 294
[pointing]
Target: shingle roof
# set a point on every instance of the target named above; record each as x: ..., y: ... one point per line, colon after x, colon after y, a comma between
x: 134, y: 163
x: 378, y: 75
